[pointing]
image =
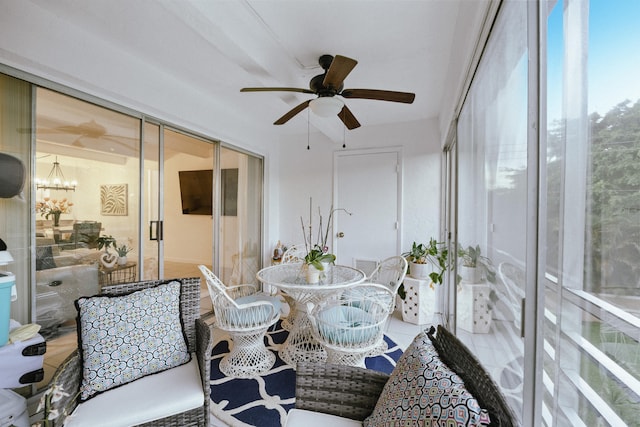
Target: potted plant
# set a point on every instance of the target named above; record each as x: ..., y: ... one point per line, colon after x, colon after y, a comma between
x: 427, y: 260
x: 107, y: 259
x: 474, y: 266
x: 122, y: 251
x: 318, y: 255
x: 316, y: 259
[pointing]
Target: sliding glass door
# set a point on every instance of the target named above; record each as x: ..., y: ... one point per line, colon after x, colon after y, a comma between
x: 86, y: 204
x: 492, y: 206
x: 187, y: 224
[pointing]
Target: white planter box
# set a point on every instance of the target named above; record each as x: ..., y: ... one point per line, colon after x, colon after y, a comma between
x: 419, y: 304
x: 474, y: 308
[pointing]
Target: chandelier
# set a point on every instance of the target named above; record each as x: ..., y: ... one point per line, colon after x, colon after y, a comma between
x: 56, y: 180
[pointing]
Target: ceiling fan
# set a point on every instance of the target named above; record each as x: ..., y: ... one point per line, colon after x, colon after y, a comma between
x: 88, y: 131
x: 329, y: 84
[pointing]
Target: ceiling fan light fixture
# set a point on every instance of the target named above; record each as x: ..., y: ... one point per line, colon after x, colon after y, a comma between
x: 326, y: 106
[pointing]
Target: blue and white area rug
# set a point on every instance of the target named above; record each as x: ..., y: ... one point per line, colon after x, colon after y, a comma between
x: 264, y: 401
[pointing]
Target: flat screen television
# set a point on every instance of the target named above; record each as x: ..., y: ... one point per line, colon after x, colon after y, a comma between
x: 196, y: 192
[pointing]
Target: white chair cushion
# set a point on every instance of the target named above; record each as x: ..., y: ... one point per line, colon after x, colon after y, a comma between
x: 146, y: 399
x: 304, y: 418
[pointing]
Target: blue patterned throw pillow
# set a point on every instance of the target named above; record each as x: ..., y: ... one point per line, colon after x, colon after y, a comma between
x: 424, y: 391
x: 126, y: 337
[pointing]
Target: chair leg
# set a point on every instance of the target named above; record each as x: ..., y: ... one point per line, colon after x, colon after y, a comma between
x: 249, y: 357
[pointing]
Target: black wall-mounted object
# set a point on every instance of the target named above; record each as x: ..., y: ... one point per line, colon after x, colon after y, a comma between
x: 196, y: 192
x: 12, y: 174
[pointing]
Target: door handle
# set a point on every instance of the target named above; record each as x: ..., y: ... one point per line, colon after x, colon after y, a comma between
x: 340, y: 234
x: 157, y: 227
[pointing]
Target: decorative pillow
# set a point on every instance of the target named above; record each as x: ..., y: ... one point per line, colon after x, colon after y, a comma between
x: 126, y: 337
x: 424, y: 391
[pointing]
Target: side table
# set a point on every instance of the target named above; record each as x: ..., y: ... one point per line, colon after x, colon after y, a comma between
x: 420, y: 302
x: 117, y: 274
x: 474, y: 307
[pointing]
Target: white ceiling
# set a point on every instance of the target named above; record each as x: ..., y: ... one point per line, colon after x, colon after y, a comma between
x: 220, y: 46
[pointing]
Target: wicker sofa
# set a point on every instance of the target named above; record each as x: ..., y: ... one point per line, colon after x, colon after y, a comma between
x: 179, y: 396
x: 344, y: 396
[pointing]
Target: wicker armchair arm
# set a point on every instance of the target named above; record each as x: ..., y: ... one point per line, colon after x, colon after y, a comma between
x: 204, y: 346
x: 345, y: 391
x: 66, y: 379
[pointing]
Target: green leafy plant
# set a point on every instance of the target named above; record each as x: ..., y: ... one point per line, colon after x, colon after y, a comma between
x: 434, y: 253
x: 472, y: 257
x: 122, y: 250
x: 316, y: 256
x: 106, y: 242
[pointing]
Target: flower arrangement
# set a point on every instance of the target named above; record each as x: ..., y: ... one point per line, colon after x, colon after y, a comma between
x: 54, y: 207
x: 318, y: 252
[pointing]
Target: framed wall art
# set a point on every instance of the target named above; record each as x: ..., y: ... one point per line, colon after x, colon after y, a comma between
x: 113, y: 200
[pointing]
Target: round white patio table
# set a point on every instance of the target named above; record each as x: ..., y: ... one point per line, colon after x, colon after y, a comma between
x: 300, y: 345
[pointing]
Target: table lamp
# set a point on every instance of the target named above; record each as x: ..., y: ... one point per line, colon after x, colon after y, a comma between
x: 7, y: 284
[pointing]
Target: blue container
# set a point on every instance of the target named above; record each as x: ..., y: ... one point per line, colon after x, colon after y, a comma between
x: 7, y: 280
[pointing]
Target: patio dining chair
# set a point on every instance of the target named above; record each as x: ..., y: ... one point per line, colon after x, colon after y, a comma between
x: 351, y: 326
x: 389, y: 273
x: 246, y: 315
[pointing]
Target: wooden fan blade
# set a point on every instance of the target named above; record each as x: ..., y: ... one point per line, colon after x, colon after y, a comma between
x: 348, y: 118
x: 340, y: 68
x: 284, y: 119
x: 275, y: 89
x: 380, y: 95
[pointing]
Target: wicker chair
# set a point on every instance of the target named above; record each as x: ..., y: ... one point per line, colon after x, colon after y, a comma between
x: 352, y: 393
x: 351, y: 326
x: 199, y: 341
x: 390, y: 273
x: 293, y: 254
x: 245, y: 314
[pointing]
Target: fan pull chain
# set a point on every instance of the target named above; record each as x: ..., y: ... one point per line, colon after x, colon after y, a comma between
x: 308, y: 130
x: 344, y: 130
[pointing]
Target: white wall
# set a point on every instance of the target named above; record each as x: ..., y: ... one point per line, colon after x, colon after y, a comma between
x: 302, y: 173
